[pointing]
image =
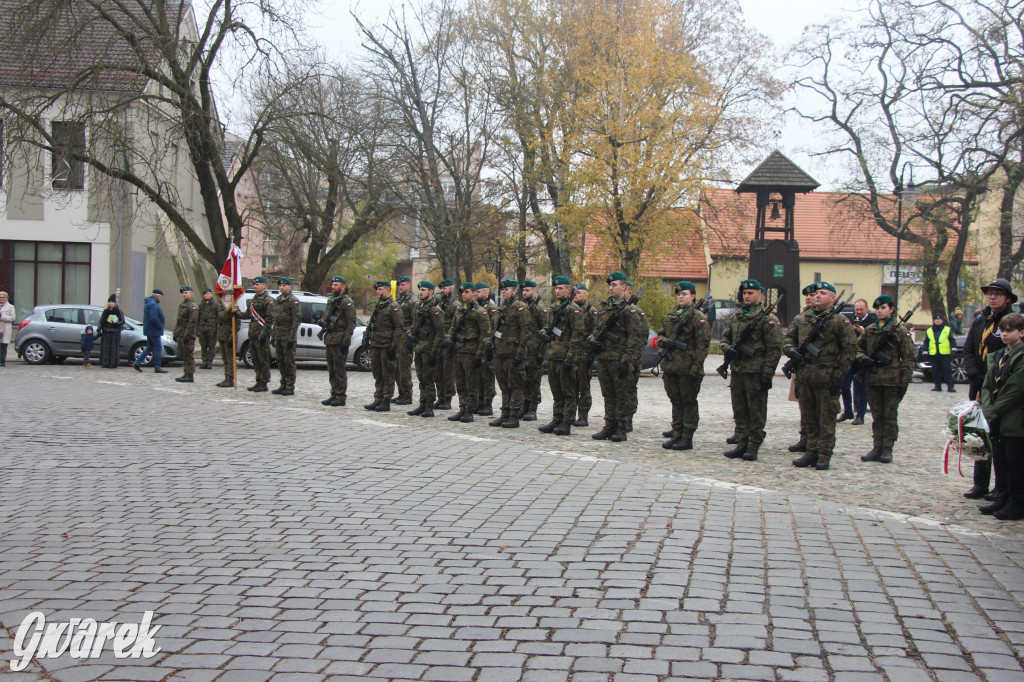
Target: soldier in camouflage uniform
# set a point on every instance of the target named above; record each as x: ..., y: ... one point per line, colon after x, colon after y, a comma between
x: 424, y: 337
x: 260, y: 311
x: 820, y: 376
x: 209, y: 312
x: 287, y: 318
x: 487, y: 390
x: 684, y: 348
x: 408, y: 303
x: 534, y: 361
x: 445, y: 375
x: 584, y: 399
x: 891, y: 371
x: 568, y: 342
x: 185, y: 330
x: 614, y: 341
x: 340, y: 321
x: 388, y: 334
x: 753, y: 366
x: 225, y: 321
x: 466, y: 338
x: 641, y: 342
x: 511, y: 335
x: 801, y: 445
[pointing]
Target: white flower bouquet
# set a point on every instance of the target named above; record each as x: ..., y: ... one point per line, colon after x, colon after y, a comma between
x: 967, y: 435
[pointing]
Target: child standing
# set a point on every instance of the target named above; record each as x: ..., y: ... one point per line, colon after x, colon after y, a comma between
x: 88, y: 338
x: 1002, y: 399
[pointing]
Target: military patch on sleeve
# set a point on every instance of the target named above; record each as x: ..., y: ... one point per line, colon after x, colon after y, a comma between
x: 703, y: 321
x: 632, y: 311
x: 770, y: 323
x: 348, y: 305
x: 577, y: 312
x: 522, y: 309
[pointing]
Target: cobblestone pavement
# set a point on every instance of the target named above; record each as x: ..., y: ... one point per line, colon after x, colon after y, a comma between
x: 348, y: 545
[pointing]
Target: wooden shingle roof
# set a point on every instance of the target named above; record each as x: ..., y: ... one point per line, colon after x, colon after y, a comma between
x: 778, y: 172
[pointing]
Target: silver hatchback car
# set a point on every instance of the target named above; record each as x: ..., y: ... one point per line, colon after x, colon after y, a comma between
x: 52, y: 333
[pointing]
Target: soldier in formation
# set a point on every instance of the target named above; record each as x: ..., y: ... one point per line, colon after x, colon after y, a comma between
x: 424, y: 340
x: 509, y: 345
x: 407, y: 302
x: 287, y: 318
x: 487, y: 391
x: 642, y: 331
x: 337, y: 326
x: 801, y: 445
x: 584, y: 399
x: 445, y: 383
x: 614, y: 343
x: 209, y: 312
x: 185, y: 330
x: 465, y: 341
x: 684, y: 339
x: 226, y: 319
x: 387, y: 333
x: 260, y: 313
x: 566, y: 335
x: 534, y: 361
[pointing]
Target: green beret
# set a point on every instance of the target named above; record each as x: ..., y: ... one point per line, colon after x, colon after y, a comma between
x: 481, y: 285
x: 382, y: 283
x: 560, y: 279
x: 509, y: 283
x: 403, y: 278
x: 616, y: 275
x: 446, y: 283
x: 185, y: 288
x: 582, y: 287
x: 284, y: 280
x: 425, y: 285
x: 629, y: 284
x: 529, y: 283
x: 882, y: 300
x: 818, y: 286
x: 338, y: 278
x: 466, y: 286
x: 685, y: 285
x: 259, y: 280
x: 207, y: 291
x: 751, y: 284
x: 808, y: 290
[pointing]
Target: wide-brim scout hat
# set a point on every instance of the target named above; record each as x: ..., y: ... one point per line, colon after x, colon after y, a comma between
x: 1002, y: 285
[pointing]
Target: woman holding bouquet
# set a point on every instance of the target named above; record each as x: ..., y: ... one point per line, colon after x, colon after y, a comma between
x: 1002, y: 399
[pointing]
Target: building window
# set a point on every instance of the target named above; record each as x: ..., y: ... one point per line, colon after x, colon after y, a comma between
x: 45, y: 273
x: 68, y: 140
x: 269, y: 262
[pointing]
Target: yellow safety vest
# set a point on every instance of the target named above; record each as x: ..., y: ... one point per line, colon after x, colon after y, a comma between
x: 944, y: 348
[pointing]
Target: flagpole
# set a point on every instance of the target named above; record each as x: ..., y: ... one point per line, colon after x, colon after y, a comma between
x: 234, y: 327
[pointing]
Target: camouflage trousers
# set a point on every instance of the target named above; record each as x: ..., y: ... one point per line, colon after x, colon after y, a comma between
x: 818, y: 410
x: 749, y: 407
x: 337, y: 371
x: 187, y: 348
x: 682, y: 391
x: 487, y: 390
x: 426, y: 375
x: 467, y: 382
x: 510, y: 380
x: 533, y: 373
x: 286, y: 362
x: 260, y: 360
x: 634, y: 402
x: 584, y: 400
x: 229, y: 365
x: 884, y: 402
x: 615, y: 391
x: 208, y: 346
x: 445, y: 377
x: 383, y: 375
x: 404, y: 373
x: 562, y: 382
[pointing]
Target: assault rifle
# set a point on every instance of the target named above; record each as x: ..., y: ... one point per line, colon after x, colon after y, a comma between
x: 416, y: 334
x: 457, y: 334
x: 797, y: 355
x: 496, y: 332
x: 681, y: 328
x: 595, y: 344
x: 740, y: 347
x: 548, y: 335
x: 879, y: 357
x: 330, y: 318
x: 371, y: 325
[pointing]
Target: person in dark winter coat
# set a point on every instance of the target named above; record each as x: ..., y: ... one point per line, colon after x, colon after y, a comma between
x: 153, y: 328
x: 111, y: 323
x: 88, y: 339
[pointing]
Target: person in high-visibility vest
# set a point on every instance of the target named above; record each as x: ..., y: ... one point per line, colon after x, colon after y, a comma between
x: 938, y: 342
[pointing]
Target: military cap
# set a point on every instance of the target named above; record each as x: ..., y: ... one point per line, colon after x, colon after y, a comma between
x: 529, y: 283
x: 481, y: 285
x: 185, y: 288
x: 560, y: 279
x: 259, y: 280
x: 808, y: 290
x: 685, y: 285
x: 425, y: 285
x: 338, y: 278
x: 751, y: 284
x: 819, y: 286
x: 446, y: 283
x: 882, y: 300
x: 466, y: 286
x: 284, y: 280
x: 616, y: 275
x: 1001, y: 283
x: 158, y: 292
x: 582, y: 287
x: 382, y: 283
x: 403, y: 278
x: 509, y: 283
x: 207, y: 290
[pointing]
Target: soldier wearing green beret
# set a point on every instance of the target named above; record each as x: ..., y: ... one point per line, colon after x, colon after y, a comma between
x: 808, y: 293
x: 287, y: 318
x: 338, y: 324
x: 487, y: 390
x: 185, y: 329
x: 511, y: 342
x: 887, y: 352
x: 260, y: 310
x: 445, y: 375
x: 568, y: 344
x: 753, y: 367
x: 820, y: 377
x: 209, y: 311
x: 534, y: 362
x: 684, y: 338
x: 465, y: 340
x: 407, y: 302
x: 642, y: 331
x: 584, y: 399
x: 424, y: 337
x: 226, y: 337
x: 388, y: 334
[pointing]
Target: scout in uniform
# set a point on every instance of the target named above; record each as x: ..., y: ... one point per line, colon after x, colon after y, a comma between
x: 568, y: 345
x: 425, y: 335
x: 209, y: 314
x: 753, y: 366
x: 340, y: 321
x: 388, y: 334
x: 534, y: 362
x: 684, y: 338
x: 891, y: 368
x: 511, y: 344
x: 445, y: 375
x: 487, y: 391
x: 260, y: 311
x: 185, y: 330
x: 820, y: 377
x: 465, y: 339
x: 584, y: 399
x: 408, y: 303
x: 287, y: 318
x: 225, y: 321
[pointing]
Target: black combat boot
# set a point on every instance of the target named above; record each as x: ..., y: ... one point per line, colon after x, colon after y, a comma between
x: 501, y: 418
x: 415, y: 413
x: 486, y: 410
x: 428, y: 411
x: 629, y: 426
x: 445, y: 404
x: 185, y: 379
x: 457, y: 416
x: 529, y: 413
x: 327, y: 402
x: 684, y: 442
x: 511, y: 422
x: 384, y: 406
x: 732, y: 440
x: 808, y: 459
x: 668, y: 434
x: 886, y: 457
x: 279, y: 390
x: 227, y: 383
x: 736, y: 452
x: 799, y: 446
x: 550, y: 426
x: 671, y: 440
x: 467, y: 417
x: 404, y: 400
x: 606, y: 432
x: 259, y: 387
x: 1001, y: 501
x: 287, y: 391
x: 751, y: 454
x: 976, y: 492
x: 823, y: 462
x: 1013, y: 511
x: 338, y: 402
x: 581, y: 420
x: 563, y: 429
x: 620, y: 432
x: 370, y: 406
x: 874, y: 455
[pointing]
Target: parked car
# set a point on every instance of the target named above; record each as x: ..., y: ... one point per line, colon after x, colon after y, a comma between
x: 924, y: 363
x: 52, y: 333
x: 308, y: 348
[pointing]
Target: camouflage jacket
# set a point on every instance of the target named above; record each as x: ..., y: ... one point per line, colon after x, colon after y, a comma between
x: 696, y: 336
x: 287, y: 317
x: 642, y: 333
x: 341, y: 320
x: 765, y: 342
x: 899, y: 371
x: 408, y: 302
x: 224, y: 319
x: 569, y: 338
x: 516, y: 331
x: 209, y: 313
x: 428, y: 327
x: 470, y: 329
x: 260, y: 307
x: 187, y: 325
x: 621, y: 341
x: 388, y: 324
x: 837, y: 347
x: 540, y: 321
x: 589, y: 311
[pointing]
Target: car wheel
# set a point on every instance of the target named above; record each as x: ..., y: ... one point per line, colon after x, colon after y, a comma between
x: 247, y: 355
x: 959, y: 370
x: 363, y: 360
x: 137, y: 350
x: 36, y: 352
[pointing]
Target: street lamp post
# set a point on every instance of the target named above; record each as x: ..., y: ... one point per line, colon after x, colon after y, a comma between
x: 903, y: 194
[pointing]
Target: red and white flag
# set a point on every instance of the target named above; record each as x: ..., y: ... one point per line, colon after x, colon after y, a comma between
x: 229, y: 281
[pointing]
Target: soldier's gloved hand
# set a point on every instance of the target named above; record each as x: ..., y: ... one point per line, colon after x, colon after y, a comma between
x: 449, y: 344
x: 489, y: 346
x: 539, y: 357
x: 766, y: 382
x: 545, y: 335
x: 868, y: 363
x: 730, y: 353
x: 595, y: 346
x: 517, y: 360
x: 902, y: 390
x: 795, y: 355
x: 623, y: 370
x: 478, y: 363
x: 392, y: 354
x: 568, y: 363
x: 835, y: 386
